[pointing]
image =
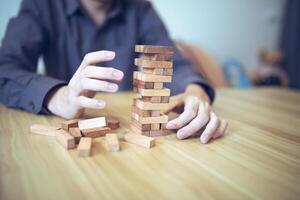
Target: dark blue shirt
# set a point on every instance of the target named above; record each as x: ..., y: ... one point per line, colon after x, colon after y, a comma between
x: 62, y: 33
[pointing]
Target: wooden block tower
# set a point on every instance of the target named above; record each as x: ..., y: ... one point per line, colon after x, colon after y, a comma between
x: 156, y: 68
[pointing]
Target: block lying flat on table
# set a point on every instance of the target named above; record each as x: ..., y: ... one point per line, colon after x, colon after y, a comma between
x: 69, y: 124
x: 95, y: 132
x: 92, y: 123
x: 112, y: 142
x: 150, y: 120
x: 76, y: 133
x: 152, y: 78
x: 65, y: 139
x: 156, y: 56
x: 112, y: 123
x: 151, y: 106
x: 85, y: 147
x: 141, y: 140
x: 154, y: 92
x: 44, y: 130
x: 152, y: 63
x: 153, y: 49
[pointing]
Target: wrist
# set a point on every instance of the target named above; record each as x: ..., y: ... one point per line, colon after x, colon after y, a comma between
x: 198, y: 91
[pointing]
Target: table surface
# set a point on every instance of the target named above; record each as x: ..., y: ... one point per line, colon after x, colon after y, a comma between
x: 258, y: 158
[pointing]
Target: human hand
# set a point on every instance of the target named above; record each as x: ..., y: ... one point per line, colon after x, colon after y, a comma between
x: 197, y: 115
x: 71, y: 100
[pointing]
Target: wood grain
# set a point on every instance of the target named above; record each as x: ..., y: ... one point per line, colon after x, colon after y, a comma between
x: 258, y: 158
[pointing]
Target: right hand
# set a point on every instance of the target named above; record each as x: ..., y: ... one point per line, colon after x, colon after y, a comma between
x: 71, y: 100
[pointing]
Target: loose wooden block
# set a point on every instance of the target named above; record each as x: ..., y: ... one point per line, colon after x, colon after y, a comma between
x: 65, y: 139
x: 112, y: 123
x: 95, y: 132
x: 69, y: 124
x: 140, y: 112
x: 76, y: 133
x: 112, y: 142
x: 150, y: 106
x: 152, y: 63
x: 159, y: 86
x: 150, y: 120
x: 44, y: 129
x: 155, y: 127
x: 138, y: 131
x: 154, y: 49
x: 142, y: 127
x: 155, y: 113
x: 156, y: 71
x: 141, y: 140
x: 85, y: 147
x: 165, y: 99
x: 92, y: 123
x: 152, y: 78
x: 154, y: 92
x: 159, y: 57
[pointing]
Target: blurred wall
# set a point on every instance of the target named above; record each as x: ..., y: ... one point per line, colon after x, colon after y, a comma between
x: 232, y: 28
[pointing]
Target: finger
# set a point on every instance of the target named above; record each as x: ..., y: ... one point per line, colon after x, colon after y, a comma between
x: 104, y: 73
x: 221, y: 129
x: 98, y: 56
x: 189, y: 113
x: 86, y: 102
x: 210, y: 129
x: 94, y: 85
x: 197, y: 123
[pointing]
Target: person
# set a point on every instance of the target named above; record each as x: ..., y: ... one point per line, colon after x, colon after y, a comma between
x: 88, y: 47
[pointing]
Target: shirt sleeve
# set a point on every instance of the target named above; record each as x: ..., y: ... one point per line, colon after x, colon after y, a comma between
x: 23, y: 43
x: 153, y: 32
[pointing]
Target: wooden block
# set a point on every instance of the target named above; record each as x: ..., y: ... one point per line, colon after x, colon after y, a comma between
x: 152, y: 63
x: 154, y: 133
x: 76, y: 133
x: 152, y: 99
x: 151, y: 106
x: 155, y: 113
x: 154, y: 49
x: 138, y: 131
x: 155, y: 127
x: 165, y: 99
x: 44, y: 129
x: 141, y: 140
x: 152, y: 78
x: 142, y: 127
x: 156, y: 71
x: 69, y: 124
x: 154, y: 92
x: 92, y: 123
x: 85, y: 147
x: 160, y: 86
x: 168, y: 72
x: 143, y: 84
x: 140, y: 112
x: 65, y: 139
x: 113, y: 123
x: 150, y: 120
x: 112, y: 142
x: 95, y: 132
x: 160, y: 57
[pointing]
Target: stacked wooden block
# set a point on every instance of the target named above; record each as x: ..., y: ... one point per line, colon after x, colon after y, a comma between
x: 151, y: 97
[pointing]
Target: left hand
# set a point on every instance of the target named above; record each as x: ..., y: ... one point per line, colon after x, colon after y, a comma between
x: 196, y: 115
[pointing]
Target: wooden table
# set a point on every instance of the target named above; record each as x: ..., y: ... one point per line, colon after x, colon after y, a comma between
x: 259, y: 158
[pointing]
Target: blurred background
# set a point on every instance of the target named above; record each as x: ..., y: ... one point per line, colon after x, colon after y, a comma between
x: 233, y: 43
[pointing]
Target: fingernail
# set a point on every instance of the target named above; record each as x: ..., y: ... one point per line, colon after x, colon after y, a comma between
x: 118, y: 74
x: 101, y: 104
x: 180, y: 135
x: 112, y: 87
x: 171, y: 125
x: 204, y: 138
x: 110, y: 54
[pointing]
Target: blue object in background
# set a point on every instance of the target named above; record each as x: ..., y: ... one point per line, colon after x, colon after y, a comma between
x: 235, y: 74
